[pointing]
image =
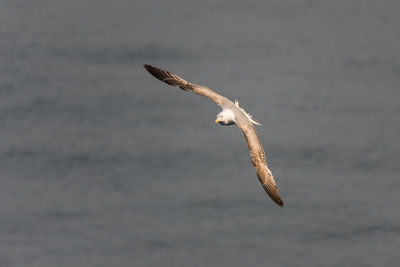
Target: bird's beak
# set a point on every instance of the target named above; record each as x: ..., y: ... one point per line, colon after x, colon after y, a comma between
x: 217, y: 120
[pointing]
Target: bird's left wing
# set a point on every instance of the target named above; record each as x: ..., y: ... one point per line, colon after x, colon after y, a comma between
x: 258, y: 159
x: 175, y: 80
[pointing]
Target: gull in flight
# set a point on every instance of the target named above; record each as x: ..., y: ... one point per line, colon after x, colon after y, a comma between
x: 231, y: 114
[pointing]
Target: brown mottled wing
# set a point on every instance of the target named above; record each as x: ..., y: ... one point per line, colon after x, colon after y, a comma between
x: 258, y: 159
x: 175, y: 80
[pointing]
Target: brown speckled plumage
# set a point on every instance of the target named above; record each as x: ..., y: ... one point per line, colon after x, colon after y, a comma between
x: 257, y: 154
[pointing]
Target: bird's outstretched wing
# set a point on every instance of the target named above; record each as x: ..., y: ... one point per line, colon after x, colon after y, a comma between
x: 242, y: 121
x: 257, y: 156
x: 175, y: 80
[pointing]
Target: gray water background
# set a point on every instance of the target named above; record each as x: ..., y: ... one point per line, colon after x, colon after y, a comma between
x: 103, y: 165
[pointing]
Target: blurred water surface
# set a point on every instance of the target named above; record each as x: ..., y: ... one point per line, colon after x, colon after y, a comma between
x: 102, y: 165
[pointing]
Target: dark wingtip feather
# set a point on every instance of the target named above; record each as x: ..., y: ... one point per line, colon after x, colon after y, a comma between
x: 277, y: 199
x: 279, y: 202
x: 150, y: 69
x: 158, y: 73
x: 165, y: 76
x: 273, y: 193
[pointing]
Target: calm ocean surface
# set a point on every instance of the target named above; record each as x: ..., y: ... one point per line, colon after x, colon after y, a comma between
x: 103, y: 165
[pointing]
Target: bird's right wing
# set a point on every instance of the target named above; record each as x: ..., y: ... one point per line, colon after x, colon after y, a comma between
x: 175, y: 80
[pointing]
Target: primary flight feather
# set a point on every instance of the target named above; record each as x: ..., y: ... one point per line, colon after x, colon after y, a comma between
x: 231, y: 114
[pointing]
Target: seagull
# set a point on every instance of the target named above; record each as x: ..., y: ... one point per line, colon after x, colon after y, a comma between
x: 231, y: 114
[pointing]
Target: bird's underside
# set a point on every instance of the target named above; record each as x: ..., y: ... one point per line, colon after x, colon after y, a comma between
x: 242, y: 120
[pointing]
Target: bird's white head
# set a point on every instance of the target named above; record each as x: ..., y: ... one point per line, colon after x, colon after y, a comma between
x: 225, y: 117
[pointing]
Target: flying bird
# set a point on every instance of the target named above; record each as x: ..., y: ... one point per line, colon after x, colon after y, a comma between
x: 231, y: 114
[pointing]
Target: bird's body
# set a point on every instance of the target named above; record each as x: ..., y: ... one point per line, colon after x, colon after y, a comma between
x: 231, y: 114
